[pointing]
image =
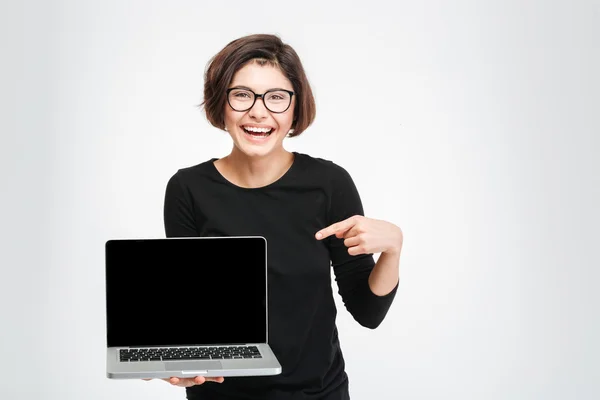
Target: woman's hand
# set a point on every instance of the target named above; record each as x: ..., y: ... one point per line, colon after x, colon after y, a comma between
x: 187, y: 382
x: 364, y: 235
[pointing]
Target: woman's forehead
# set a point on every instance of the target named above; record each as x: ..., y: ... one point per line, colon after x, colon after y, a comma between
x: 261, y: 77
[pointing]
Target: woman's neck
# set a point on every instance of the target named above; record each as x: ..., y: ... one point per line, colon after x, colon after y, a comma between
x: 254, y: 172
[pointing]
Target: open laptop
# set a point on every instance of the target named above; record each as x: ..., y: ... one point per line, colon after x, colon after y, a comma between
x: 187, y: 307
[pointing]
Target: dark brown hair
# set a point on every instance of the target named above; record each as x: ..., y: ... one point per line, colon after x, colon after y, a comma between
x: 264, y: 49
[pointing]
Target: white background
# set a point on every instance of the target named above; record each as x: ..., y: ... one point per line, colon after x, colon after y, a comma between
x: 472, y: 125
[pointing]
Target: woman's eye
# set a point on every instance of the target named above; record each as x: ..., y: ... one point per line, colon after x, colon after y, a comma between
x: 242, y: 95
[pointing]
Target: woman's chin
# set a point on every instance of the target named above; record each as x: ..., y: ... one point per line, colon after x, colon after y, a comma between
x: 252, y: 150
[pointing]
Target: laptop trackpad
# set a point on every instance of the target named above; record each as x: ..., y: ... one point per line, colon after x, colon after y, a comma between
x: 191, y: 365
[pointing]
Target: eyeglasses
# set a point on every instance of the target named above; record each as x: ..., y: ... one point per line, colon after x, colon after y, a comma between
x: 275, y: 100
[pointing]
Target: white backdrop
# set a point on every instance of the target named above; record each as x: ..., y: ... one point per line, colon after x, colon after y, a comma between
x: 469, y: 124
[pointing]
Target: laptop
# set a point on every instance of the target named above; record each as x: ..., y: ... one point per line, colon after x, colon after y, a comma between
x: 186, y: 307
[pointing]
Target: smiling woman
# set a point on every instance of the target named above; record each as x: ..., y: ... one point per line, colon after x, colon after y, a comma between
x: 258, y: 127
x: 307, y: 208
x: 260, y: 50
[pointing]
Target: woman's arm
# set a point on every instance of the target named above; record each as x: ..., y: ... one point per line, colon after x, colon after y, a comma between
x: 367, y: 289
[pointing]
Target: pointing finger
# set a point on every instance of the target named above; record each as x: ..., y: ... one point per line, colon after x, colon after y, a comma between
x: 338, y: 227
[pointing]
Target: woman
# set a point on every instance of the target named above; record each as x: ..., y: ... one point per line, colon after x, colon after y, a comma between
x: 307, y: 208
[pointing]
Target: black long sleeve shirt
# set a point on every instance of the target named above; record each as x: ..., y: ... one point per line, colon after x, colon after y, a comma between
x: 311, y: 195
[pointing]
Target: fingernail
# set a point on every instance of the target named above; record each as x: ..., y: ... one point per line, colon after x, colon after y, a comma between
x: 319, y: 235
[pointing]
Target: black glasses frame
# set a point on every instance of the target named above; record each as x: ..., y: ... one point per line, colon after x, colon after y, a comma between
x: 260, y: 96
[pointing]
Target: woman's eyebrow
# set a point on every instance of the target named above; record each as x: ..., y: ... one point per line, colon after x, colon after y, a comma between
x: 241, y: 87
x: 247, y: 88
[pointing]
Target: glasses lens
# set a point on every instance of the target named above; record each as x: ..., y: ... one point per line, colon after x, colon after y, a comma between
x: 240, y: 99
x: 277, y: 101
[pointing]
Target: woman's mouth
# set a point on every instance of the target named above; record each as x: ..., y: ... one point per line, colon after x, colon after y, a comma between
x: 259, y: 133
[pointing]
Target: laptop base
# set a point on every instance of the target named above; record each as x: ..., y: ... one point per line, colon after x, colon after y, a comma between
x: 264, y: 366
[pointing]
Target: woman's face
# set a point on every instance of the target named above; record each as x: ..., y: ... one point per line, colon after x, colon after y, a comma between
x: 259, y: 79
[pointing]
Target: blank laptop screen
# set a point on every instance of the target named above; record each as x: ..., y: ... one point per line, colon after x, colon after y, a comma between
x: 188, y: 291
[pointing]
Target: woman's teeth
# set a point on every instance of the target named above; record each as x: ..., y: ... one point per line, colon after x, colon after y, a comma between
x: 257, y: 131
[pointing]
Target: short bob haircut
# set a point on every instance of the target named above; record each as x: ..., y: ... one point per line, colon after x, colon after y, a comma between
x: 263, y: 49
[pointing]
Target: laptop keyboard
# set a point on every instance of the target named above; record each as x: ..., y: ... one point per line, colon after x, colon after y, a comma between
x: 189, y: 353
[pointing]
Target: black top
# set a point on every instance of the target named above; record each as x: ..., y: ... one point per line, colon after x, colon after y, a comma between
x: 310, y: 196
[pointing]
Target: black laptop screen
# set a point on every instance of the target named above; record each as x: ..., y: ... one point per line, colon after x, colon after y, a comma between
x: 186, y: 291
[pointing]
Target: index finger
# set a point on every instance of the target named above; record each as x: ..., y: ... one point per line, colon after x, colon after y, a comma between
x: 341, y: 226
